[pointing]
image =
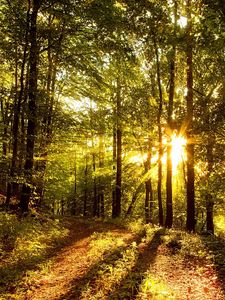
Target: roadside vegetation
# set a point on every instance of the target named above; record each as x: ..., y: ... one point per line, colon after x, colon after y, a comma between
x: 129, y: 261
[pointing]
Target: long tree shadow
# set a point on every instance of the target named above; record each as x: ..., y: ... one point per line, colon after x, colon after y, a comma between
x: 11, y: 273
x: 79, y: 285
x: 216, y: 247
x: 128, y: 288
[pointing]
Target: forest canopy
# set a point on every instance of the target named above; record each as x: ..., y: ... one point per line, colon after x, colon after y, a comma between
x: 114, y: 109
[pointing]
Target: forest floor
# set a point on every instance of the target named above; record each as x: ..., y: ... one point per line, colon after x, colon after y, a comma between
x: 106, y: 261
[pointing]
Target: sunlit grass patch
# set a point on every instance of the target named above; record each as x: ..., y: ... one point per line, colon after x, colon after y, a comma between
x: 119, y: 268
x: 136, y: 226
x: 219, y: 221
x: 188, y: 245
x: 24, y: 247
x: 153, y: 288
x: 103, y: 243
x: 111, y: 273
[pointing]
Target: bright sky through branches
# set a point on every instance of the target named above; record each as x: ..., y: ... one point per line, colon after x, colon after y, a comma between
x: 178, y: 153
x: 178, y: 143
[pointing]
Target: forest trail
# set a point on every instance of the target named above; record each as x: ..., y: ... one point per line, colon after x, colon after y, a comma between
x: 105, y: 261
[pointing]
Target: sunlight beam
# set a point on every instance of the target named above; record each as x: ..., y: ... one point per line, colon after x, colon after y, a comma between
x: 178, y: 143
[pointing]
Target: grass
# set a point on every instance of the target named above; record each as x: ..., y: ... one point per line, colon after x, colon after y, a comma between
x: 25, y: 245
x: 120, y: 268
x: 121, y: 262
x: 153, y: 288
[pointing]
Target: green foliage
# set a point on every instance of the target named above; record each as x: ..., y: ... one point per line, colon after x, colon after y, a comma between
x: 103, y: 243
x: 85, y: 48
x: 156, y: 289
x: 118, y: 267
x: 24, y: 246
x: 185, y: 244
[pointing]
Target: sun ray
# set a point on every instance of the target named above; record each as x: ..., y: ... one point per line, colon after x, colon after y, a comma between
x: 178, y: 152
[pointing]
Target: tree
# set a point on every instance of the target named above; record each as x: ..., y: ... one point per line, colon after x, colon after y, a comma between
x: 32, y: 108
x: 190, y: 223
x: 169, y: 189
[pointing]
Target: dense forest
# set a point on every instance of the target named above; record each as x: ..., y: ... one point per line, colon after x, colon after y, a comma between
x: 112, y: 111
x: 114, y: 108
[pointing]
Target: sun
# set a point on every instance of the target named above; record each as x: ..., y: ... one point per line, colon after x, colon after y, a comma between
x: 178, y: 150
x: 178, y: 153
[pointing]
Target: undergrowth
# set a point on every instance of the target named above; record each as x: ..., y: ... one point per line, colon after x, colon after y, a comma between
x: 117, y: 256
x: 25, y: 244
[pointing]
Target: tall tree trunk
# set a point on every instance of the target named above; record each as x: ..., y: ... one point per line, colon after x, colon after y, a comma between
x: 22, y: 145
x: 17, y: 109
x: 190, y: 222
x: 114, y: 164
x: 160, y: 150
x: 169, y: 170
x: 101, y: 184
x: 6, y: 117
x: 74, y: 199
x: 32, y: 110
x: 209, y: 197
x: 148, y: 188
x: 117, y: 207
x: 6, y: 121
x: 85, y: 185
x: 95, y: 196
x: 134, y: 199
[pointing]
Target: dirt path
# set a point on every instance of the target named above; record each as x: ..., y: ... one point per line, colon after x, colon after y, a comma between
x: 73, y: 268
x: 72, y: 262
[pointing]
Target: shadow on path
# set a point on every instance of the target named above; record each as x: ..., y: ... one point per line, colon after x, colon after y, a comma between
x: 129, y: 286
x: 78, y: 285
x: 11, y: 273
x: 216, y: 246
x: 145, y: 258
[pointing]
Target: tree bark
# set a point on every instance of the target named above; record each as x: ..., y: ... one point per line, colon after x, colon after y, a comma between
x: 85, y: 185
x: 101, y: 184
x: 95, y: 197
x: 134, y: 199
x: 190, y: 222
x: 160, y: 148
x: 209, y: 197
x: 32, y: 110
x: 17, y: 109
x: 74, y: 200
x: 117, y: 204
x: 114, y: 170
x: 148, y: 188
x: 169, y: 170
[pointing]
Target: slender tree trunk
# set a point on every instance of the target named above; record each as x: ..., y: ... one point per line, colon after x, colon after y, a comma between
x: 118, y: 173
x: 74, y: 199
x: 85, y: 186
x: 147, y: 202
x: 169, y: 170
x: 5, y: 120
x: 17, y: 109
x: 148, y: 188
x: 95, y: 198
x: 5, y: 143
x: 114, y: 166
x: 209, y: 197
x: 101, y: 184
x: 190, y: 222
x: 117, y: 207
x: 32, y: 110
x: 160, y: 151
x: 22, y: 144
x: 151, y: 206
x: 134, y: 199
